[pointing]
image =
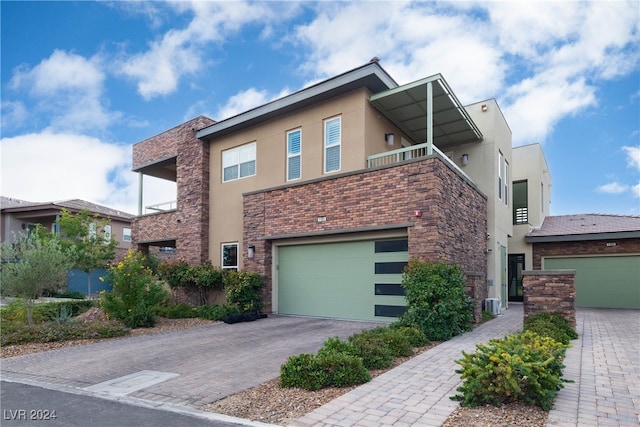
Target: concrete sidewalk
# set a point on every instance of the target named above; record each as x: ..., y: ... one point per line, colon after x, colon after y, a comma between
x: 604, y: 364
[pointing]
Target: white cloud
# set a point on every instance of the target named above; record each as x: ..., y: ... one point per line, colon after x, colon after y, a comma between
x: 56, y: 166
x: 633, y: 156
x: 613, y: 188
x: 180, y: 52
x: 542, y: 66
x: 69, y: 91
x: 635, y: 190
x: 246, y: 100
x: 14, y: 114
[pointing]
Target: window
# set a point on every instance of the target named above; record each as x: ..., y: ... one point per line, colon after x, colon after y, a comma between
x: 520, y: 203
x: 294, y: 150
x: 92, y: 230
x: 332, y: 140
x: 107, y: 232
x: 230, y: 256
x: 55, y: 227
x: 126, y: 234
x: 506, y: 183
x: 239, y: 162
x: 500, y: 157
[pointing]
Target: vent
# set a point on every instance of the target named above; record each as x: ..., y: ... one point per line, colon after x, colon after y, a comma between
x: 492, y: 305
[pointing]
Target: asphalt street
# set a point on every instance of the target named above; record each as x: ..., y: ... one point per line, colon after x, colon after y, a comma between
x: 25, y: 405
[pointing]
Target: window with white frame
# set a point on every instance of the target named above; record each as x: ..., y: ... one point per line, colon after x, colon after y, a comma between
x: 500, y: 160
x: 294, y: 154
x: 506, y: 183
x: 107, y: 232
x: 332, y: 141
x: 239, y: 162
x: 92, y: 230
x: 230, y: 256
x: 126, y: 234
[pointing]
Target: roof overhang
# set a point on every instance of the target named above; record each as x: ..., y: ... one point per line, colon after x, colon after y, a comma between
x: 372, y: 76
x: 427, y: 111
x: 583, y: 237
x: 164, y: 169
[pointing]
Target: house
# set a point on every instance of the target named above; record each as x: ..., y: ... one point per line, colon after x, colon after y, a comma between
x: 329, y: 191
x: 604, y: 250
x: 20, y: 216
x: 531, y: 188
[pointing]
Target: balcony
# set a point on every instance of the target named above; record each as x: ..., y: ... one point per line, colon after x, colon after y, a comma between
x: 392, y: 157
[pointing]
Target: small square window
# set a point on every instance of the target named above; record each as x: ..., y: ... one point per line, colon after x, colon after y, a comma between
x: 239, y: 162
x: 230, y: 256
x: 126, y: 234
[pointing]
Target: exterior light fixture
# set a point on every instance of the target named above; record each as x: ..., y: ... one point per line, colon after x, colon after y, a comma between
x: 484, y: 107
x: 251, y: 250
x: 465, y: 159
x: 389, y: 137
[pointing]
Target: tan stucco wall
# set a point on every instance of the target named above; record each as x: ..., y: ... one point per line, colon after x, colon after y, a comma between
x: 530, y: 165
x: 363, y: 130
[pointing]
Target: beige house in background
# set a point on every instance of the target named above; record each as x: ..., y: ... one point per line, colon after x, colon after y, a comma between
x: 20, y: 216
x: 329, y: 191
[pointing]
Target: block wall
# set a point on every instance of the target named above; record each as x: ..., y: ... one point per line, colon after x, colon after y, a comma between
x: 550, y: 291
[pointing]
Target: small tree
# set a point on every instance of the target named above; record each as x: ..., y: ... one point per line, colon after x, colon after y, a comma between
x: 32, y: 265
x: 85, y: 233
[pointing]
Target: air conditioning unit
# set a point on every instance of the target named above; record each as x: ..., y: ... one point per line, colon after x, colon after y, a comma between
x: 492, y: 305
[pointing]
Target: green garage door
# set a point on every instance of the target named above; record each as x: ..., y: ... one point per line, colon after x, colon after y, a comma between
x: 347, y: 280
x: 609, y: 282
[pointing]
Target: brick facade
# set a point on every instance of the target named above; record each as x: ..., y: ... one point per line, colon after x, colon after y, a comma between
x: 452, y: 227
x: 550, y: 291
x: 584, y: 247
x: 189, y: 224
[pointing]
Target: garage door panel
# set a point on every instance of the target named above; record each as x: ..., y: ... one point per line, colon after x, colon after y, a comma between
x: 338, y: 279
x: 609, y: 282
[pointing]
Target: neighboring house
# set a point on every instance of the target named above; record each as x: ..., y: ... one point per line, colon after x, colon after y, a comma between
x: 603, y: 249
x: 531, y: 203
x: 20, y: 216
x: 329, y: 191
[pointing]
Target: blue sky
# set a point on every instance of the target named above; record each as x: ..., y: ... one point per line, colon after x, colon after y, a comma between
x: 83, y: 81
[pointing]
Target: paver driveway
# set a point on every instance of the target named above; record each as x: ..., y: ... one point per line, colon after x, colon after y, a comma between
x: 211, y: 361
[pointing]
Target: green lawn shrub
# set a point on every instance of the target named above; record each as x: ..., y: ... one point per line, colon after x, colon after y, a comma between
x: 523, y: 367
x: 487, y: 315
x: 415, y: 335
x: 54, y: 331
x: 373, y: 350
x: 552, y: 325
x: 45, y: 312
x: 327, y: 369
x: 180, y: 310
x: 436, y: 300
x: 395, y: 340
x: 215, y: 312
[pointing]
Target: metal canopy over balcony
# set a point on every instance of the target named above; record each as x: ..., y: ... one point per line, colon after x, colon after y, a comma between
x: 427, y: 111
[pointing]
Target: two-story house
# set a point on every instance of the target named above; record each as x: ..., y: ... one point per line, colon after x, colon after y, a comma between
x: 329, y: 191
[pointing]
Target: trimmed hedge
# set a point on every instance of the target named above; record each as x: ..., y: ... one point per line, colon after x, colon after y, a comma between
x: 552, y: 325
x: 73, y: 330
x: 327, y: 369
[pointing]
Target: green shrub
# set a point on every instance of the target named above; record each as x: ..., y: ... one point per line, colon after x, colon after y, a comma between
x: 65, y: 294
x: 552, y: 325
x: 44, y: 312
x: 487, y: 315
x: 522, y: 367
x: 134, y: 292
x: 329, y: 369
x: 415, y: 335
x: 395, y: 340
x: 373, y: 350
x: 436, y: 300
x: 175, y: 311
x: 336, y: 345
x: 52, y: 331
x: 244, y: 290
x: 215, y: 312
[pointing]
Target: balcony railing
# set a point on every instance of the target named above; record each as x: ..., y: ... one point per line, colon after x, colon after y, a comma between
x: 413, y: 152
x: 161, y: 207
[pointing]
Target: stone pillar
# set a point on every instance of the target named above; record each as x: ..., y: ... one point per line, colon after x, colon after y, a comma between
x: 550, y: 291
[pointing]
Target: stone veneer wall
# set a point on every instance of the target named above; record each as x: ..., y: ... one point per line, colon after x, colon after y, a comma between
x: 452, y: 227
x: 584, y: 247
x: 550, y: 291
x: 189, y: 224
